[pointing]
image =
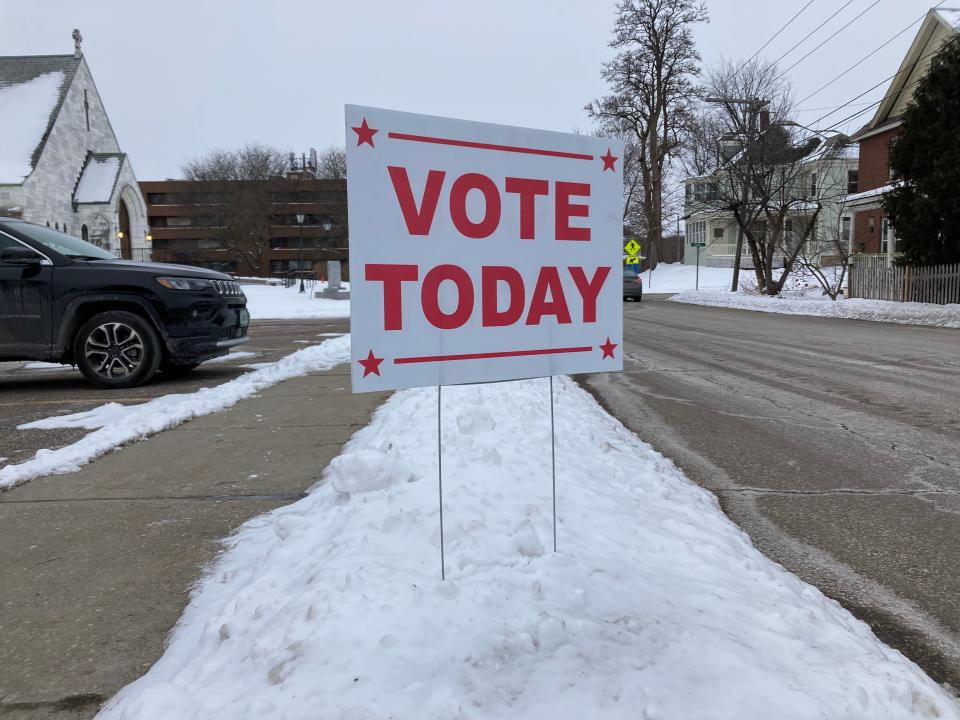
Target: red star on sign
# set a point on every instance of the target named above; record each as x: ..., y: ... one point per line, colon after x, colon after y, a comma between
x: 365, y: 134
x: 608, y: 160
x: 372, y: 364
x: 607, y: 349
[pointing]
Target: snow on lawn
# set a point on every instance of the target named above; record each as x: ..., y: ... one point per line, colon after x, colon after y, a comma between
x: 656, y: 605
x: 119, y: 424
x: 278, y: 303
x: 677, y: 277
x: 947, y: 316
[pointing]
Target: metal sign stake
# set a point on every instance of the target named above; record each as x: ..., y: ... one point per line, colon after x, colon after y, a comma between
x: 443, y: 572
x: 553, y: 465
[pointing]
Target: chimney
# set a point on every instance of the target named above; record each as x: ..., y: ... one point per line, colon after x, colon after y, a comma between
x: 77, y: 40
x: 764, y: 120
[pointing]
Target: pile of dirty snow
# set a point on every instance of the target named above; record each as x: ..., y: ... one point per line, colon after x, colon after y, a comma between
x: 655, y: 606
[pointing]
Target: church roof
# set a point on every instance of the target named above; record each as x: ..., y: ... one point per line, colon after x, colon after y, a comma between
x: 98, y: 178
x: 32, y: 89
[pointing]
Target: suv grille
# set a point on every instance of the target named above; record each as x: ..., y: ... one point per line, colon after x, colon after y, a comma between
x: 227, y: 287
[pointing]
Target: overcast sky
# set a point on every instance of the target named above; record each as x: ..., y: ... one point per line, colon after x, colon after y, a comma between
x: 181, y: 77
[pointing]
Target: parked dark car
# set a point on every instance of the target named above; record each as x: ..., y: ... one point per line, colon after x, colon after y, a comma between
x: 632, y: 285
x: 65, y: 300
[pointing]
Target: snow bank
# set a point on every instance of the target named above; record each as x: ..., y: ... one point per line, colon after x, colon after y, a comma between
x: 24, y: 114
x: 656, y: 606
x: 947, y: 316
x: 677, y: 277
x: 269, y: 302
x: 119, y: 424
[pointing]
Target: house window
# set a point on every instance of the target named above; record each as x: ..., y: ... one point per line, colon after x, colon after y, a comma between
x: 84, y: 233
x: 813, y: 183
x: 718, y: 234
x: 853, y: 179
x: 845, y: 230
x: 698, y: 232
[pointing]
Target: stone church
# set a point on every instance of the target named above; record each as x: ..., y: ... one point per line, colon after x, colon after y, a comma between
x: 60, y: 162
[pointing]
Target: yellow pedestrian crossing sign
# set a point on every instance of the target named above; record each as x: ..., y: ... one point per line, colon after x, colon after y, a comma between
x: 632, y: 260
x: 631, y: 248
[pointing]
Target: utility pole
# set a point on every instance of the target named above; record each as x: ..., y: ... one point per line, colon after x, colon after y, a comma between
x: 751, y: 131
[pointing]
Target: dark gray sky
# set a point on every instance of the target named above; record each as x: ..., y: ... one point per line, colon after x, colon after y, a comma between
x: 181, y: 77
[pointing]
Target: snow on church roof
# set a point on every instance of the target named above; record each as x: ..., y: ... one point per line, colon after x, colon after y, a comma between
x: 98, y: 179
x: 25, y: 111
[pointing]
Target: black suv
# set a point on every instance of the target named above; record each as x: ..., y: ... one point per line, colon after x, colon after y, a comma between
x: 65, y: 300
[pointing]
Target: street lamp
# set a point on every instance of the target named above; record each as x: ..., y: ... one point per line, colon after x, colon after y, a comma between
x: 300, y: 224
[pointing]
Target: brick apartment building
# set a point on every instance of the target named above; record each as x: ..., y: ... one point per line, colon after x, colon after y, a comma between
x: 871, y: 231
x: 187, y: 226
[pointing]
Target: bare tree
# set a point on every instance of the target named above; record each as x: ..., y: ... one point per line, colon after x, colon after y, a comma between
x: 766, y: 179
x: 239, y: 197
x: 332, y: 163
x: 254, y: 161
x: 651, y: 89
x: 826, y: 256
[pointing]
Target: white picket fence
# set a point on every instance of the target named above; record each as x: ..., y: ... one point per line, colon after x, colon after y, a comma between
x: 874, y: 277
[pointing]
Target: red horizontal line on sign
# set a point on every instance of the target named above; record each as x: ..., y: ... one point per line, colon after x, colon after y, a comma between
x: 488, y: 355
x: 487, y: 146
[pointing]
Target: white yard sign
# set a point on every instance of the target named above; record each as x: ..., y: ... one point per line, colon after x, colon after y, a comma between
x: 480, y: 252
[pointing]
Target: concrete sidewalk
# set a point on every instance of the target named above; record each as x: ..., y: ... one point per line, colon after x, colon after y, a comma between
x: 96, y: 566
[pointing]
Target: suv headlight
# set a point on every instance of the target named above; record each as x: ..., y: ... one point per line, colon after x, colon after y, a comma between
x: 182, y: 283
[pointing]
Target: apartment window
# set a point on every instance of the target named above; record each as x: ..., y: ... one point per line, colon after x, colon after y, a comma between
x: 845, y: 230
x: 179, y: 221
x: 853, y: 179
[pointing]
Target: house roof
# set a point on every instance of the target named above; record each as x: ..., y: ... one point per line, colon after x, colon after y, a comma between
x: 98, y: 178
x: 937, y: 23
x: 32, y: 89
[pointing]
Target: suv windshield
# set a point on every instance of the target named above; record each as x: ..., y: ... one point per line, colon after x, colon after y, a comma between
x: 60, y: 242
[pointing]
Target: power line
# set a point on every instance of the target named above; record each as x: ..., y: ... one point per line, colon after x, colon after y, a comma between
x: 773, y: 37
x: 871, y: 89
x: 804, y: 38
x: 839, y: 30
x: 868, y: 55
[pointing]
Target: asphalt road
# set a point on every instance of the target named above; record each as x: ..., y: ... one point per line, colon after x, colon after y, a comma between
x: 834, y: 443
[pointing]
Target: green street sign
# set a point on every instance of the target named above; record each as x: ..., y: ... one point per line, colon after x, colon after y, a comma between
x: 698, y: 244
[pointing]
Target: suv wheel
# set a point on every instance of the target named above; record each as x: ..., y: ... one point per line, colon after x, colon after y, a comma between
x: 117, y: 350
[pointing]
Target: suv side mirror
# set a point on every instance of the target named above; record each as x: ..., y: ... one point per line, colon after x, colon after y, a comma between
x: 19, y: 256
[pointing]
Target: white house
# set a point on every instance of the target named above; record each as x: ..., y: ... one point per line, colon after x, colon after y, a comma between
x: 60, y: 162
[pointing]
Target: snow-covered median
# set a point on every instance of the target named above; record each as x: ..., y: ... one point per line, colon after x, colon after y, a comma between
x: 656, y: 605
x: 947, y: 316
x: 120, y: 424
x: 270, y: 302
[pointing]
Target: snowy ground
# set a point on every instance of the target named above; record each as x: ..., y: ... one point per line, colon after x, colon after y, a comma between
x: 656, y: 606
x: 855, y: 308
x: 114, y: 425
x: 270, y: 302
x: 677, y: 277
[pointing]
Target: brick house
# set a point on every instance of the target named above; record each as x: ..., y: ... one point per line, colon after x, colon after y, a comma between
x: 60, y: 162
x: 872, y: 233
